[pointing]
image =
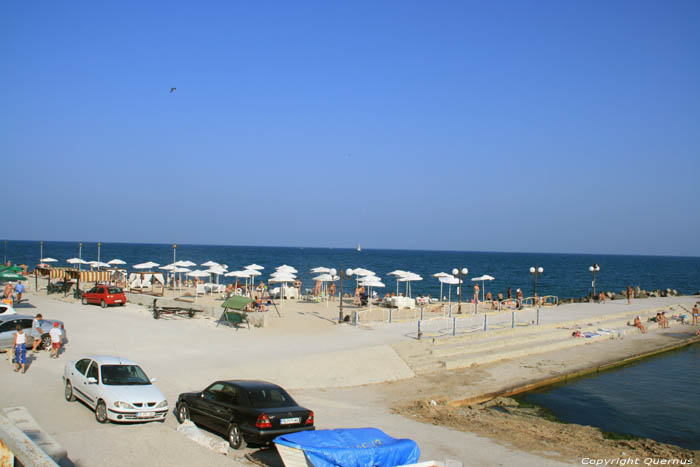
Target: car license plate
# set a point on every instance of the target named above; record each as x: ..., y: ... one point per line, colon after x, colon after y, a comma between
x: 147, y: 414
x: 290, y: 421
x: 117, y: 301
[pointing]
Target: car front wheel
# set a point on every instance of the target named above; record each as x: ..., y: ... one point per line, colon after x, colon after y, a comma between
x: 183, y: 413
x: 70, y: 397
x: 235, y: 438
x: 101, y: 412
x: 103, y: 304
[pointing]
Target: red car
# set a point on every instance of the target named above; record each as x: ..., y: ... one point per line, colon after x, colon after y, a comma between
x: 104, y: 295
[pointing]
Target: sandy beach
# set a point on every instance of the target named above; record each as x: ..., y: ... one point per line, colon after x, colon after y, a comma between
x: 350, y: 376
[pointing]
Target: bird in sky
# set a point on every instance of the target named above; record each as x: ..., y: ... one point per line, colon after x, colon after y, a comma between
x: 172, y: 89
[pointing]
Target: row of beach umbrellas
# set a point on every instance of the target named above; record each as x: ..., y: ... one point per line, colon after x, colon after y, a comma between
x: 285, y: 273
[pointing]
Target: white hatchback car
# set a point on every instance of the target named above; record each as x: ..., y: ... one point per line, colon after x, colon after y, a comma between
x: 116, y: 388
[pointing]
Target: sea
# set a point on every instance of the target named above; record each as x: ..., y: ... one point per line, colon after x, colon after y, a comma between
x: 564, y: 275
x: 655, y: 398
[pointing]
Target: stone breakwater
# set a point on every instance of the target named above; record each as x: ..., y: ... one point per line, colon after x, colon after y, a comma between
x: 622, y: 295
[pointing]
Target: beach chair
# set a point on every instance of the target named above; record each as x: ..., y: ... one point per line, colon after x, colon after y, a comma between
x: 236, y: 318
x: 200, y: 290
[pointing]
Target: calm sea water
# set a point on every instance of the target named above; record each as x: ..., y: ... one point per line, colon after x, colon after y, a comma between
x: 655, y: 398
x: 565, y: 275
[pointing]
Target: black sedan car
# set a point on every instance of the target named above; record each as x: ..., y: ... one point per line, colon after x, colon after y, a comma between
x: 245, y: 411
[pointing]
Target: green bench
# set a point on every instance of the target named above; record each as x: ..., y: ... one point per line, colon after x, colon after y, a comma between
x: 234, y: 311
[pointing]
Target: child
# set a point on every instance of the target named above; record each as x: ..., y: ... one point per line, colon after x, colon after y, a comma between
x: 20, y: 345
x: 55, y: 334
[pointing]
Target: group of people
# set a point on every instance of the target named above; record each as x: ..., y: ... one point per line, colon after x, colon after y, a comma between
x: 662, y: 321
x: 19, y: 343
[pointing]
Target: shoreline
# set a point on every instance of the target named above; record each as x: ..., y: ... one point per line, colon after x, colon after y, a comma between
x: 598, y: 368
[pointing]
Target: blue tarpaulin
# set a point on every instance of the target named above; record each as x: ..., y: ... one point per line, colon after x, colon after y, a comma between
x: 352, y: 447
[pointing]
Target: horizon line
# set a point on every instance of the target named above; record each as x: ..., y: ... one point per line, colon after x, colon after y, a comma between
x: 370, y: 249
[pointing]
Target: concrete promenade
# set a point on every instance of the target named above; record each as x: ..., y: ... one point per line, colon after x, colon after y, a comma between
x: 330, y: 368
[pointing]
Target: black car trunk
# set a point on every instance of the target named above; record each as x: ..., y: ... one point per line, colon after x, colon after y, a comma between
x: 287, y: 417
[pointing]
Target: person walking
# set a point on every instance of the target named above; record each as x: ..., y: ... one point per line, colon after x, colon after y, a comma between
x: 20, y: 345
x: 19, y: 290
x: 55, y: 334
x: 694, y: 312
x: 36, y: 332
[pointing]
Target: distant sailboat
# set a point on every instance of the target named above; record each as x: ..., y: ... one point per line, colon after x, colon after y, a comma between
x: 358, y: 247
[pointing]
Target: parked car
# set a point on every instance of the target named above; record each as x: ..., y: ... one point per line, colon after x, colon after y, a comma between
x: 105, y: 295
x: 245, y: 411
x: 117, y: 389
x: 6, y: 309
x: 8, y: 328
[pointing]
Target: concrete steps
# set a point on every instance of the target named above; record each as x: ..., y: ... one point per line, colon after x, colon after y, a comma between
x: 479, y: 348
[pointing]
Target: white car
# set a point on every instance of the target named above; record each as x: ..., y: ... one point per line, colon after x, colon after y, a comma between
x: 116, y: 388
x: 6, y: 309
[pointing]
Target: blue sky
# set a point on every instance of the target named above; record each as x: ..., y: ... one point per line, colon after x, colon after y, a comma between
x: 491, y: 126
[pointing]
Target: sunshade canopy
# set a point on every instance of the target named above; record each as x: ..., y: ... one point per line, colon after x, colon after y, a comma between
x: 116, y: 261
x: 485, y: 277
x: 147, y: 265
x: 236, y: 303
x: 48, y: 260
x: 11, y: 276
x: 254, y: 266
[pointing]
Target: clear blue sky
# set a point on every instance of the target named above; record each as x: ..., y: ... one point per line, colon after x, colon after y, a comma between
x: 512, y: 126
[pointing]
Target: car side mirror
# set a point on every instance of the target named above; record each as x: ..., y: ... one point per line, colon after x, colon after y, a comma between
x: 153, y: 380
x: 92, y: 380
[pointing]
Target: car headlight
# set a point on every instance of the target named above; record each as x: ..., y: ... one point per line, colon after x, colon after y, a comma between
x: 123, y: 405
x: 162, y: 404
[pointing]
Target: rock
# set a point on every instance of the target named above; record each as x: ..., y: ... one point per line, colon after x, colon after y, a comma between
x: 190, y: 430
x: 653, y: 294
x: 675, y: 292
x: 610, y: 295
x: 642, y: 294
x: 637, y: 290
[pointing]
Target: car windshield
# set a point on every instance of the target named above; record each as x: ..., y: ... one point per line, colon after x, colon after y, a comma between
x: 115, y: 290
x: 270, y: 398
x: 123, y: 375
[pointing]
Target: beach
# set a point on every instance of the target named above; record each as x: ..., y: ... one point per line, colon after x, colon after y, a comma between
x: 350, y: 376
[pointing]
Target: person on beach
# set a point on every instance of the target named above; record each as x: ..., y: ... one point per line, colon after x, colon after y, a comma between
x: 519, y: 297
x: 630, y: 293
x: 664, y: 321
x: 297, y: 284
x: 510, y: 294
x: 331, y: 291
x: 601, y: 298
x: 36, y: 332
x: 19, y: 289
x: 638, y: 324
x: 694, y: 312
x: 476, y: 293
x: 55, y: 334
x: 20, y: 346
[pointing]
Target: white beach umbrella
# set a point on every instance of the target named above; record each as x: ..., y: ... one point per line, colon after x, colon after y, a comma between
x: 116, y: 261
x: 197, y: 273
x: 408, y: 278
x: 483, y: 280
x: 287, y: 268
x: 48, y: 260
x: 449, y: 280
x: 371, y: 282
x: 210, y: 264
x: 169, y: 267
x: 439, y: 275
x: 178, y: 270
x: 99, y: 264
x: 76, y: 261
x: 257, y: 267
x: 320, y: 269
x: 147, y: 265
x: 184, y: 264
x: 398, y: 273
x: 360, y: 272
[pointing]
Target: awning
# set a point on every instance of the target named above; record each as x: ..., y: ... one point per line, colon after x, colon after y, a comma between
x: 236, y: 303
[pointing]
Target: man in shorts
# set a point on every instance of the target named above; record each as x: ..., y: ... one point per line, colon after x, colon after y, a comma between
x: 55, y: 334
x: 19, y: 290
x: 694, y: 312
x: 36, y: 332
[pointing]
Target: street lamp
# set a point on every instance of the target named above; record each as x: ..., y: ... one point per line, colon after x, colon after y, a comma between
x: 460, y: 274
x: 41, y: 250
x: 174, y: 248
x: 536, y: 271
x: 80, y: 253
x: 99, y: 245
x: 343, y: 274
x: 593, y: 269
